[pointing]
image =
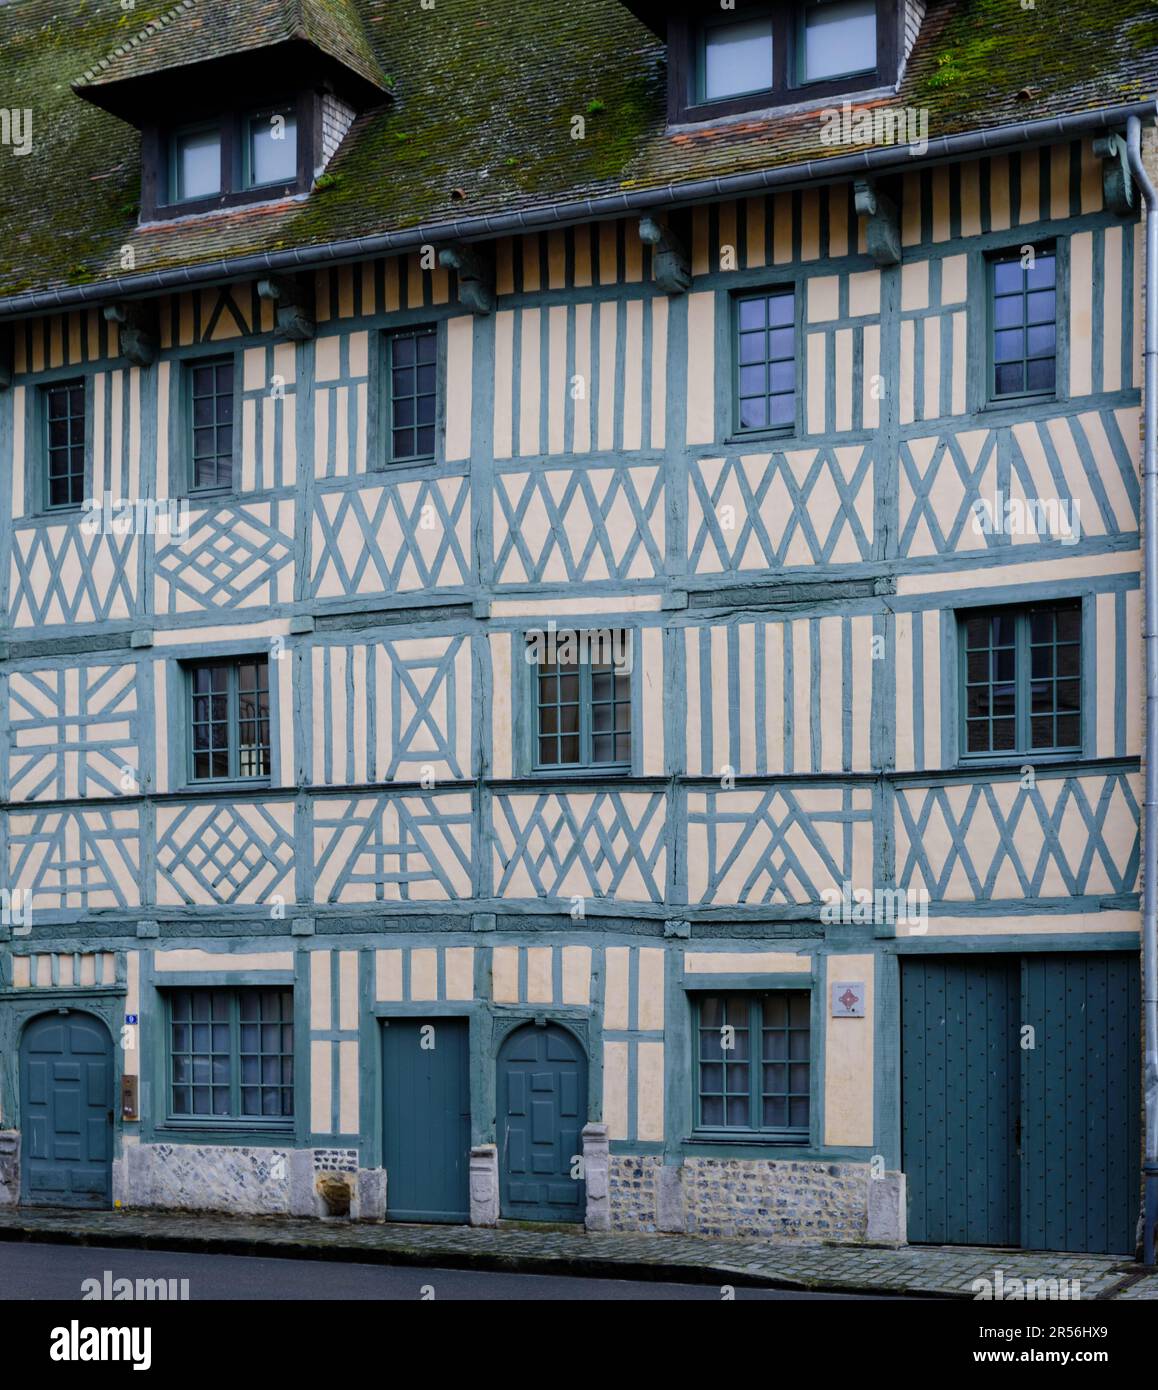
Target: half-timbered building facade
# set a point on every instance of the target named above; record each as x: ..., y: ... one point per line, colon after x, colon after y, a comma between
x: 571, y: 614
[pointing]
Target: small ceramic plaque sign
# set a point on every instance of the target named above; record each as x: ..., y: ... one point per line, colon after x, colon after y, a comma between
x: 848, y: 999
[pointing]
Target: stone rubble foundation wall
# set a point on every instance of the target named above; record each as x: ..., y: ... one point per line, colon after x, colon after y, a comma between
x: 778, y: 1199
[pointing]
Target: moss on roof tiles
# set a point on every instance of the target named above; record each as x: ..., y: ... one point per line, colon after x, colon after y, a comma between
x: 481, y: 118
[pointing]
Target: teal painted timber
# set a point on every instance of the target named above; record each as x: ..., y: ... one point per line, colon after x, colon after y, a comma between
x: 542, y: 1091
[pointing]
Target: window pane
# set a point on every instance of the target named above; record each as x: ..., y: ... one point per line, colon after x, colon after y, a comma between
x: 64, y: 418
x: 211, y: 415
x: 839, y: 37
x: 197, y: 164
x: 273, y: 149
x: 412, y: 394
x: 766, y: 362
x: 737, y: 58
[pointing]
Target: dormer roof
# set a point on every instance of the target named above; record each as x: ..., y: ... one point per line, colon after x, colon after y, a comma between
x: 197, y: 44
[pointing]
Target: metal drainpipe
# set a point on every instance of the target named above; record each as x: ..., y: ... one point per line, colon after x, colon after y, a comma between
x: 1150, y: 641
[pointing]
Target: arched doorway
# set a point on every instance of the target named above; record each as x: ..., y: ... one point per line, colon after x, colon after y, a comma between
x: 542, y: 1108
x: 66, y: 1110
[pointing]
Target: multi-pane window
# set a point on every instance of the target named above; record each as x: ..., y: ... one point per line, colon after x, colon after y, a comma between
x: 1023, y: 687
x: 839, y: 37
x: 583, y: 702
x: 229, y: 719
x: 211, y: 416
x: 272, y: 148
x: 1023, y: 326
x: 195, y: 163
x: 231, y: 1054
x: 753, y: 1061
x: 766, y: 360
x: 735, y: 58
x: 64, y: 419
x: 411, y: 393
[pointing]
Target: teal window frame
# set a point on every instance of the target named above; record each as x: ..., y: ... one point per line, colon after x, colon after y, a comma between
x: 190, y: 367
x: 68, y: 384
x: 231, y: 1021
x: 1005, y: 256
x: 749, y: 1015
x: 388, y: 398
x: 175, y: 198
x: 290, y: 112
x: 586, y: 732
x: 726, y: 21
x: 800, y: 79
x: 234, y: 720
x: 1022, y: 681
x: 781, y: 290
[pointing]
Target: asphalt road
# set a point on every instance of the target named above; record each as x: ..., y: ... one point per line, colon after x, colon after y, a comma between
x: 42, y: 1271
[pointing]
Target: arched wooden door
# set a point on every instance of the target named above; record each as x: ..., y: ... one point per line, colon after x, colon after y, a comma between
x: 66, y: 1110
x: 542, y: 1108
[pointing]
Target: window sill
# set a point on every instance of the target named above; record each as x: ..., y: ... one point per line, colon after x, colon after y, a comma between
x: 787, y: 1140
x: 547, y: 774
x: 1035, y: 756
x: 1000, y: 403
x: 228, y: 784
x: 744, y: 437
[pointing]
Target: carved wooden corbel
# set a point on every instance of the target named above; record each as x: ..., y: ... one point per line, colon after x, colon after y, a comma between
x: 293, y: 302
x: 669, y: 258
x: 1117, y: 182
x: 136, y: 322
x: 475, y: 267
x: 883, y: 230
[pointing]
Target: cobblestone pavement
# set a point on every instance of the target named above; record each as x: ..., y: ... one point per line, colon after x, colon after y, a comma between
x: 940, y: 1271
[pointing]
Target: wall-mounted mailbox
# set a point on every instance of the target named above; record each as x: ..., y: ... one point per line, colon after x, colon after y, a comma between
x: 129, y: 1098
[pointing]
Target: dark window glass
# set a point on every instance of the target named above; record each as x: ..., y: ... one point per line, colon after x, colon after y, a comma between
x: 229, y: 719
x: 753, y: 1061
x: 231, y: 1054
x: 766, y: 361
x: 412, y: 391
x: 211, y: 420
x: 1022, y: 679
x: 1024, y: 325
x: 64, y: 417
x: 584, y: 706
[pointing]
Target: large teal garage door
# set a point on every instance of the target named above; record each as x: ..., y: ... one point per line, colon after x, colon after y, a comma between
x: 1081, y: 1091
x: 1020, y: 1096
x: 66, y: 1109
x: 959, y: 1092
x: 426, y: 1110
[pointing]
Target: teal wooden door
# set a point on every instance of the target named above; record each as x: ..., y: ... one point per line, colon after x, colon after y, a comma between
x: 426, y: 1111
x: 1080, y: 1166
x: 66, y: 1107
x: 542, y: 1108
x: 959, y: 1098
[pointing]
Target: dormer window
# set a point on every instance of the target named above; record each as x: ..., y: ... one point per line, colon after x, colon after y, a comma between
x: 723, y: 62
x: 242, y: 155
x: 271, y: 148
x: 195, y: 163
x: 840, y: 38
x: 735, y: 58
